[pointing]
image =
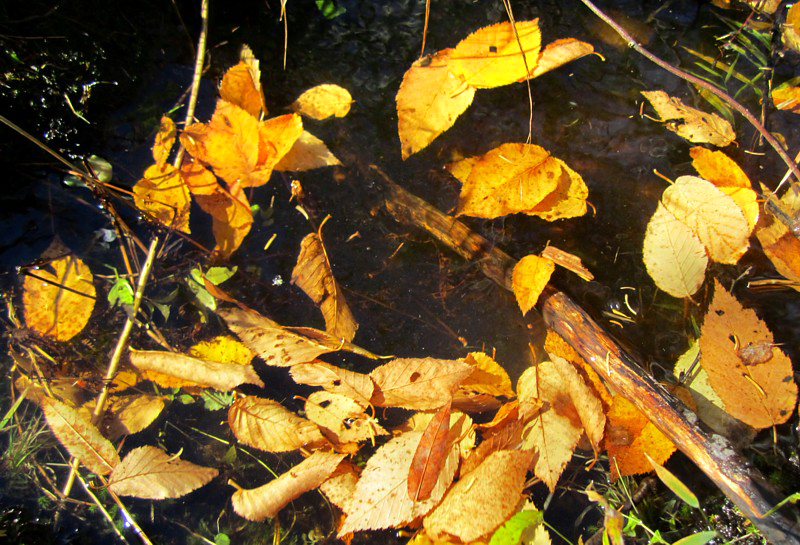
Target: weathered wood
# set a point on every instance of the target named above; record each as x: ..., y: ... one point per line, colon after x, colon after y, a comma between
x: 713, y: 454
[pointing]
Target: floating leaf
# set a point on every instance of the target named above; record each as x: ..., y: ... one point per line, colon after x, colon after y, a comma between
x: 760, y: 395
x: 780, y: 245
x: 223, y: 348
x: 556, y: 346
x: 334, y: 379
x: 718, y: 168
x: 276, y: 137
x: 231, y: 216
x: 241, y: 85
x: 689, y: 123
x: 314, y: 276
x: 59, y: 300
x: 323, y: 101
x: 513, y: 530
x: 340, y: 418
x: 267, y: 425
x: 124, y: 415
x: 786, y: 98
x: 80, y: 437
x: 531, y: 275
x: 561, y: 52
x: 152, y: 474
x: 430, y: 455
x: 195, y: 371
x: 341, y: 486
x: 307, y: 153
x: 266, y: 501
x: 163, y: 194
x: 481, y: 500
x: 488, y: 377
x: 165, y: 139
x: 429, y: 101
x: 493, y: 56
x: 790, y: 35
x: 418, y: 383
x: 675, y: 258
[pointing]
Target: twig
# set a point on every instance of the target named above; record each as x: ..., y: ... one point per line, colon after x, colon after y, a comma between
x: 102, y: 509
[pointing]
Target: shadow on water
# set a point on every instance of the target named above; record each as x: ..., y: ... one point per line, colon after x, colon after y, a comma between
x: 121, y: 66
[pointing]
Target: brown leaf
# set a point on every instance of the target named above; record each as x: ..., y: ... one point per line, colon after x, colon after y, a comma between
x: 150, y: 473
x: 483, y: 499
x: 420, y: 384
x: 430, y: 455
x: 267, y: 425
x: 760, y: 395
x: 241, y: 85
x: 323, y: 101
x: 429, y: 101
x: 689, y: 123
x: 334, y: 379
x: 195, y: 371
x: 80, y: 437
x: 163, y: 194
x: 266, y: 501
x: 509, y: 437
x: 314, y: 276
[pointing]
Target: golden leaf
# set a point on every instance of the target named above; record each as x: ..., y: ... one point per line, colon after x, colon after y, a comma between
x: 420, y: 384
x: 124, y: 415
x: 165, y: 139
x: 718, y: 168
x: 323, y: 101
x: 531, y: 275
x: 787, y: 98
x: 689, y: 123
x: 241, y: 85
x: 561, y: 52
x: 150, y: 473
x: 493, y: 56
x: 277, y: 136
x: 231, y: 217
x: 340, y: 418
x: 163, y: 194
x: 780, y: 245
x: 429, y: 101
x: 307, y: 153
x: 191, y: 371
x: 267, y: 425
x: 487, y: 377
x: 791, y: 28
x: 223, y: 349
x: 334, y: 379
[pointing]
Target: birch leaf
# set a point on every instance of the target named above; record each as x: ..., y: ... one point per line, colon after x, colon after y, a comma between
x: 241, y: 85
x: 531, y: 275
x: 418, y: 383
x: 150, y: 473
x: 267, y: 425
x: 689, y: 123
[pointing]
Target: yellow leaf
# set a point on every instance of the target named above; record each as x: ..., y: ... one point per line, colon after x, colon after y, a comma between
x: 307, y: 153
x: 561, y: 52
x: 689, y: 123
x: 223, y: 349
x: 531, y: 275
x: 759, y: 392
x: 165, y: 138
x: 231, y: 217
x: 419, y: 383
x: 493, y: 56
x: 556, y: 346
x: 163, y: 194
x: 791, y: 29
x: 674, y: 256
x: 429, y: 101
x: 124, y: 415
x: 718, y: 168
x: 58, y: 304
x: 314, y: 276
x: 323, y: 101
x: 488, y: 376
x: 150, y: 473
x: 198, y: 178
x: 568, y: 199
x: 267, y: 425
x: 191, y: 371
x: 241, y: 85
x: 266, y: 501
x: 276, y: 137
x: 787, y: 98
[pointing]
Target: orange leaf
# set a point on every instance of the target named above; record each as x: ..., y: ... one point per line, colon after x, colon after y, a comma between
x: 718, y: 168
x: 231, y: 218
x: 165, y: 138
x: 276, y: 137
x: 420, y: 384
x: 430, y: 455
x: 560, y: 52
x: 787, y: 98
x: 323, y: 101
x: 487, y: 377
x: 307, y: 153
x: 198, y: 178
x: 241, y: 85
x: 531, y: 275
x: 163, y: 194
x: 780, y: 245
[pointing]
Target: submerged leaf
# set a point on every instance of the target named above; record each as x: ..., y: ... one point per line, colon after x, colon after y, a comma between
x: 241, y: 85
x: 689, y: 123
x: 531, y: 275
x: 323, y: 101
x: 163, y: 194
x: 150, y: 473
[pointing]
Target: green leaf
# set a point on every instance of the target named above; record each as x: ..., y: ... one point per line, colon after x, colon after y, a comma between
x: 674, y: 484
x: 218, y: 275
x: 512, y: 531
x: 121, y: 293
x: 329, y: 8
x: 222, y: 539
x: 700, y: 538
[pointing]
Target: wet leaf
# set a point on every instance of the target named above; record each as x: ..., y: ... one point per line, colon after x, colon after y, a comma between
x: 779, y: 244
x: 267, y: 425
x: 80, y: 437
x: 493, y: 56
x: 531, y: 275
x: 430, y: 456
x: 483, y: 499
x: 760, y: 395
x: 307, y: 153
x: 786, y: 98
x: 674, y: 484
x: 689, y: 123
x: 323, y: 101
x: 674, y: 256
x: 231, y: 217
x: 513, y: 530
x: 266, y: 501
x: 561, y: 52
x: 418, y: 383
x: 341, y: 419
x: 150, y: 473
x: 429, y: 101
x: 241, y: 85
x: 569, y: 261
x: 277, y: 137
x: 556, y: 346
x: 194, y: 371
x: 487, y: 377
x: 224, y: 349
x: 718, y: 168
x: 314, y: 276
x: 790, y: 35
x: 341, y: 486
x: 356, y: 386
x: 163, y: 194
x: 700, y: 538
x: 59, y: 300
x: 165, y: 139
x: 124, y: 415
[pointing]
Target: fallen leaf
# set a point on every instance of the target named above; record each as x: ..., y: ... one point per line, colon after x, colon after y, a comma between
x: 224, y: 349
x: 340, y: 487
x: 163, y: 194
x: 307, y: 153
x: 559, y: 53
x: 241, y: 85
x: 531, y: 275
x: 198, y: 178
x: 567, y: 200
x: 323, y: 101
x: 487, y: 377
x: 277, y: 137
x: 786, y: 98
x: 150, y: 473
x: 165, y: 139
x: 194, y: 371
x: 790, y: 35
x: 231, y: 217
x: 483, y: 499
x: 59, y: 300
x: 430, y: 456
x: 314, y: 276
x: 493, y: 56
x: 689, y: 123
x: 516, y: 530
x: 556, y: 346
x: 80, y: 437
x: 760, y: 395
x: 718, y: 168
x: 569, y: 261
x: 780, y: 245
x: 124, y: 415
x: 334, y: 379
x: 508, y: 437
x: 266, y: 501
x: 267, y: 425
x: 417, y: 383
x: 429, y: 101
x: 674, y: 256
x: 341, y: 419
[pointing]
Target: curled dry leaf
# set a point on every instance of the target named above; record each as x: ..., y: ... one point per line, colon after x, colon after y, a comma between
x: 314, y: 276
x: 689, y: 123
x: 429, y: 101
x: 307, y: 153
x: 195, y: 371
x: 334, y: 379
x: 267, y: 425
x: 266, y: 501
x: 531, y: 275
x: 759, y: 394
x: 241, y: 85
x: 150, y: 473
x: 483, y: 499
x: 323, y: 101
x: 163, y: 194
x: 80, y: 437
x: 418, y: 383
x: 58, y: 304
x: 493, y: 56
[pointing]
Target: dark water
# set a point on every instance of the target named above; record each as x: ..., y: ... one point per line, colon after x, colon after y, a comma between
x: 123, y: 65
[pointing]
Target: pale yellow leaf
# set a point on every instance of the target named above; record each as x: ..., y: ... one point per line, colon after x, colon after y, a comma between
x: 124, y: 415
x: 150, y: 473
x: 334, y: 379
x: 689, y: 123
